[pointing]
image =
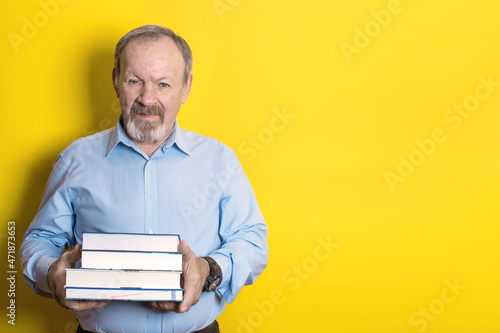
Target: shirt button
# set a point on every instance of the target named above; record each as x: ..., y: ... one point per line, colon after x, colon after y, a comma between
x: 151, y: 232
x: 149, y: 162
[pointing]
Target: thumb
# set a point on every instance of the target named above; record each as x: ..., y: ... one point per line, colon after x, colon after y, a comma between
x: 74, y: 255
x: 184, y: 248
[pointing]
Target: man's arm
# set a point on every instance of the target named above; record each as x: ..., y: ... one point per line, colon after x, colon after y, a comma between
x: 244, y: 251
x: 51, y: 232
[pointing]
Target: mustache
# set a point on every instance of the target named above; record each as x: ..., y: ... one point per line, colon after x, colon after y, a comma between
x: 138, y: 109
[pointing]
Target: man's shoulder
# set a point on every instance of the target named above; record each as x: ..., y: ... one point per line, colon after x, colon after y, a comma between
x: 196, y: 141
x: 95, y: 144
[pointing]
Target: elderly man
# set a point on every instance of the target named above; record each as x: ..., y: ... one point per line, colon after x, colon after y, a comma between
x: 147, y: 175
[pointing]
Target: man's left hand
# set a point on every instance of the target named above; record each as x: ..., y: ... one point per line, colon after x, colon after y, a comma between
x: 194, y: 271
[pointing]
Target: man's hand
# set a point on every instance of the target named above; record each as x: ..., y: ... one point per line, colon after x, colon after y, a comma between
x: 56, y: 277
x: 195, y: 271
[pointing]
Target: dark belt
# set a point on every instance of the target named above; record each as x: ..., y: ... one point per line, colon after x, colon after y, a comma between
x: 212, y: 328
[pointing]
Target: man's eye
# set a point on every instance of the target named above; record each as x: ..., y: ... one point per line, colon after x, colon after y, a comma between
x: 133, y: 81
x: 164, y: 85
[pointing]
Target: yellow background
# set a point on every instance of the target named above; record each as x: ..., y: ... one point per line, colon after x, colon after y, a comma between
x: 321, y: 176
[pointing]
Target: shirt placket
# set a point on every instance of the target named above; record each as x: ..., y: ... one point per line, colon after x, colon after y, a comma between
x: 150, y: 197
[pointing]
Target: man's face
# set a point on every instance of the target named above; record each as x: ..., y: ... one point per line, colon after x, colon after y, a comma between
x: 151, y: 88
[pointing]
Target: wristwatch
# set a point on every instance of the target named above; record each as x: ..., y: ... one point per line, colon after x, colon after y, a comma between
x: 214, y: 278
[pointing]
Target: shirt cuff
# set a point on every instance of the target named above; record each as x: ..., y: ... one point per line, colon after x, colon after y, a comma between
x: 41, y: 269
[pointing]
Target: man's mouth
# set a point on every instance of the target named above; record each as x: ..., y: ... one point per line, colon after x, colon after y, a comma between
x: 147, y: 115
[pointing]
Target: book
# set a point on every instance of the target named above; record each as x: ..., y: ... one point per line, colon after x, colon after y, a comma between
x: 132, y: 260
x: 124, y: 294
x: 128, y: 267
x: 130, y: 242
x: 116, y: 278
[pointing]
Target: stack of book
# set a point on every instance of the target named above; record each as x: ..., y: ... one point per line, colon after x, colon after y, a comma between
x: 132, y: 267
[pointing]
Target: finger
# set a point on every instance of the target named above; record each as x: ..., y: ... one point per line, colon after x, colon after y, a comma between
x: 183, y: 307
x: 165, y: 306
x: 189, y: 297
x: 83, y: 305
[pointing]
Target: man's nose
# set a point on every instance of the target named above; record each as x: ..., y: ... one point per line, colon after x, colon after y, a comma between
x: 148, y: 95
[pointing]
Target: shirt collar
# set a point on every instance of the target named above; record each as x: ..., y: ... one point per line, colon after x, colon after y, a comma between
x: 176, y: 138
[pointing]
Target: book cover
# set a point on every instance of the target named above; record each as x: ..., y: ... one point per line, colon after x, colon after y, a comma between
x: 130, y: 242
x: 124, y: 294
x: 132, y: 260
x: 114, y: 278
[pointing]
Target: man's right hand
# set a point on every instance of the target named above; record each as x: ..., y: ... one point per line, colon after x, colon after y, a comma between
x: 56, y: 277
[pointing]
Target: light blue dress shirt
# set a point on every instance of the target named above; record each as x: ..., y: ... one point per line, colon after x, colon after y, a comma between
x: 192, y: 185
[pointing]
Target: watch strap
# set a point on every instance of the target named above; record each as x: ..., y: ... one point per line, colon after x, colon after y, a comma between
x: 214, y: 277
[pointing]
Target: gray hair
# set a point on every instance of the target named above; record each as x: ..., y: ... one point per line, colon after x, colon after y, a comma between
x: 155, y: 32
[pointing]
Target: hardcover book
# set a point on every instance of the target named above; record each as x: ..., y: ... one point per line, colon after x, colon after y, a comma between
x: 130, y: 242
x: 123, y: 294
x: 117, y: 278
x: 135, y: 260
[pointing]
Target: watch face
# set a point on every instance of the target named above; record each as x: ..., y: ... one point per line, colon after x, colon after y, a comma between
x: 214, y: 284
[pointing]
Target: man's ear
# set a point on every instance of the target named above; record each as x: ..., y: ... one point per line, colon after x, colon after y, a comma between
x: 186, y: 89
x: 115, y: 83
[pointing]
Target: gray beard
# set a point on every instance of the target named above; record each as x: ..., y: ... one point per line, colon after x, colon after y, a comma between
x: 145, y: 130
